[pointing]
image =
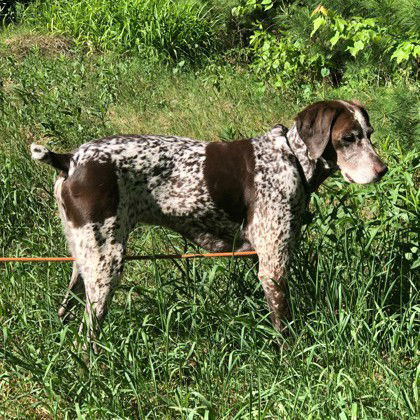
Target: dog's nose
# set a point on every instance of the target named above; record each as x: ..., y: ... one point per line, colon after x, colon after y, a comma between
x: 381, y: 171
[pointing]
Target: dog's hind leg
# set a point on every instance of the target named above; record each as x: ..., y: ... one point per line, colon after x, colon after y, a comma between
x: 76, y: 287
x: 75, y: 291
x: 99, y: 252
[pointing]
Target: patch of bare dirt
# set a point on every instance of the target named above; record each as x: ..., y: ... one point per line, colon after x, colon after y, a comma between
x: 49, y: 45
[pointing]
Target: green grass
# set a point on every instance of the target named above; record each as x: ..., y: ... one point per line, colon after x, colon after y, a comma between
x: 192, y: 340
x: 153, y: 29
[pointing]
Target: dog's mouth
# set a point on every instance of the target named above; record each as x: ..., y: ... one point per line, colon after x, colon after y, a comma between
x: 348, y: 178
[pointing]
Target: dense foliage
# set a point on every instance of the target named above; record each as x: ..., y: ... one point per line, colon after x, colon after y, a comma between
x: 293, y: 44
x: 287, y: 42
x: 192, y: 340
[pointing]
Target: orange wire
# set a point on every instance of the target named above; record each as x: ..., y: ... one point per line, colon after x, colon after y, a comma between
x: 36, y: 259
x: 134, y: 257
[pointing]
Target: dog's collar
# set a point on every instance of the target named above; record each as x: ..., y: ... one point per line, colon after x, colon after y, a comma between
x: 307, y: 166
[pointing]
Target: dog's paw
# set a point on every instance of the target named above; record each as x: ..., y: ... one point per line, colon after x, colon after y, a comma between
x: 39, y: 152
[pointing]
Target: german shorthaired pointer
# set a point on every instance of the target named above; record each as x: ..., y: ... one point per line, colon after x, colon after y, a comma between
x: 242, y: 195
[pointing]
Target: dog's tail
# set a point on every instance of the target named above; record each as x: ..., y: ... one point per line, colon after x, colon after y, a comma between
x: 60, y: 161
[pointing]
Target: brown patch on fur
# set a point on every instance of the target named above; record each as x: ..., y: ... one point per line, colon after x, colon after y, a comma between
x: 229, y: 175
x: 344, y: 123
x: 90, y: 194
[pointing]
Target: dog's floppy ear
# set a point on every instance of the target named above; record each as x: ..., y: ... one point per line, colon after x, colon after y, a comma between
x: 314, y: 126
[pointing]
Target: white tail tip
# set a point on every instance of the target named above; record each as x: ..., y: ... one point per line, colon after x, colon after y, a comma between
x: 39, y: 152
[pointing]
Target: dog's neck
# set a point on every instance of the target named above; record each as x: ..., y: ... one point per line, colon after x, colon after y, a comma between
x: 314, y: 171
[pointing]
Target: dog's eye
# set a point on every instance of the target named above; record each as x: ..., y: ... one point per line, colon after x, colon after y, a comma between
x: 350, y: 138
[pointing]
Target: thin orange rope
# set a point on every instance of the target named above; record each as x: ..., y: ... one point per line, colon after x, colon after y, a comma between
x: 134, y: 257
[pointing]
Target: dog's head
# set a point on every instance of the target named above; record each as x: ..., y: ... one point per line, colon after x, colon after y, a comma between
x: 339, y: 131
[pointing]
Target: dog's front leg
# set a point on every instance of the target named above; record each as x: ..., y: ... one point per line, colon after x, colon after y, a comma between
x: 272, y: 274
x: 273, y: 239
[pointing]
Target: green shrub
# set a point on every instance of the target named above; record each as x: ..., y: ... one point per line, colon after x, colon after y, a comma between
x: 356, y: 35
x: 400, y: 15
x: 298, y: 46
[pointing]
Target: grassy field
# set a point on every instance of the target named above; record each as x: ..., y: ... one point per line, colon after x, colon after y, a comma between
x: 192, y: 340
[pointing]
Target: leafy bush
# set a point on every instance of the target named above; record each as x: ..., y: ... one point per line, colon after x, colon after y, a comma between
x: 399, y: 15
x: 286, y: 52
x: 157, y: 29
x: 358, y: 34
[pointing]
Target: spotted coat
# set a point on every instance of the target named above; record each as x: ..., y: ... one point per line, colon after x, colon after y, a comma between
x: 246, y: 194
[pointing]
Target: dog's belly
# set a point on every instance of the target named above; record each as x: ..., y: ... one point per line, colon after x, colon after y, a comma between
x: 212, y: 230
x: 213, y: 239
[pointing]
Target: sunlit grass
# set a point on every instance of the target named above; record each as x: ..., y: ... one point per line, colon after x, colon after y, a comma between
x: 154, y: 29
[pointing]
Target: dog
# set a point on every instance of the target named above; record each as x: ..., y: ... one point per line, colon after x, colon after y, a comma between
x: 224, y: 196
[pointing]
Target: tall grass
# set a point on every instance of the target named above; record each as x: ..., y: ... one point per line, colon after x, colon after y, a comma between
x: 154, y: 29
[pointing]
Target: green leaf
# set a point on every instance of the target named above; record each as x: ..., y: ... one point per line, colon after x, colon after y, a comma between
x: 325, y: 72
x: 335, y: 39
x: 400, y: 56
x: 416, y: 264
x: 266, y: 46
x: 339, y: 23
x: 369, y: 22
x: 402, y: 53
x: 318, y: 22
x: 358, y: 46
